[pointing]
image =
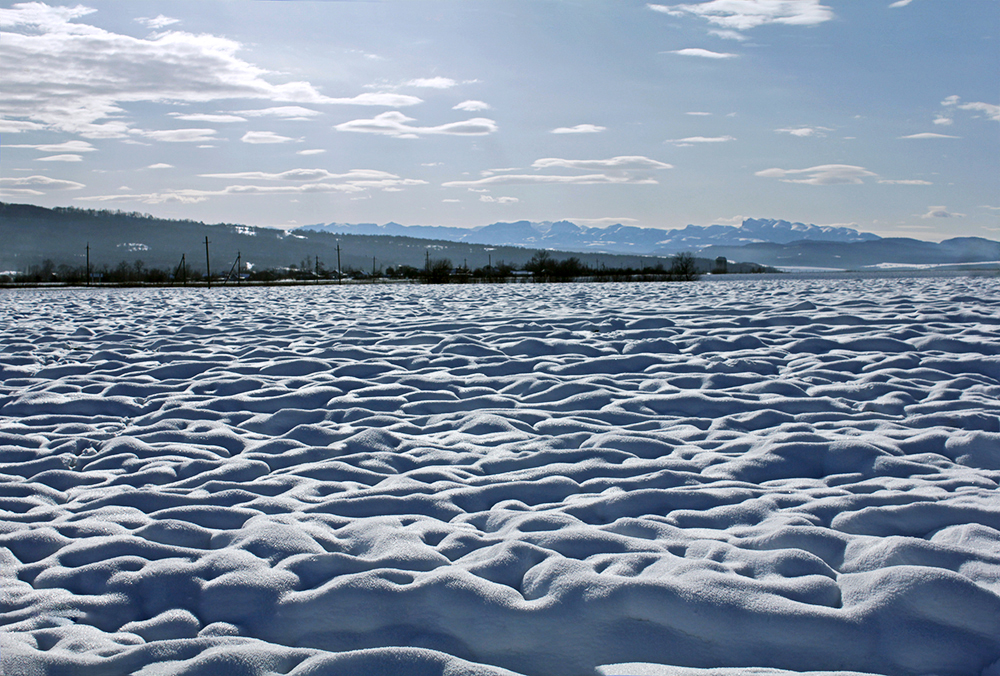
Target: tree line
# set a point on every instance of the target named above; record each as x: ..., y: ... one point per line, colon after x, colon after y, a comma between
x: 542, y: 267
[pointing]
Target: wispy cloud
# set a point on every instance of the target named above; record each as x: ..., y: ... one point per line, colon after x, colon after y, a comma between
x: 303, y: 181
x: 728, y: 35
x: 160, y: 165
x: 622, y: 170
x: 691, y: 140
x: 703, y: 53
x: 825, y: 174
x: 621, y: 163
x: 60, y: 158
x: 900, y: 3
x: 904, y: 181
x: 432, y: 82
x: 579, y: 129
x: 311, y: 151
x: 527, y: 179
x: 306, y: 175
x: 804, y: 132
x: 284, y: 112
x: 157, y: 22
x: 991, y: 110
x: 177, y: 135
x: 472, y: 106
x: 498, y: 200
x: 394, y: 123
x: 67, y: 147
x: 41, y: 91
x: 744, y: 14
x: 265, y: 137
x: 206, y: 117
x: 603, y: 221
x: 928, y: 134
x: 941, y: 212
x: 36, y: 185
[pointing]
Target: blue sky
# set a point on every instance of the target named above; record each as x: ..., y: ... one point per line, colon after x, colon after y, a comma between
x: 876, y: 114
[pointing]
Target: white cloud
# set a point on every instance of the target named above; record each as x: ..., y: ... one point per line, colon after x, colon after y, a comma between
x: 941, y: 212
x: 943, y: 120
x: 311, y: 151
x: 157, y: 22
x: 451, y: 201
x: 264, y: 137
x: 355, y: 181
x: 384, y: 99
x: 160, y: 165
x: 804, y: 132
x: 472, y: 106
x: 60, y: 158
x: 900, y: 3
x: 498, y: 200
x: 579, y: 129
x: 67, y: 147
x: 622, y: 163
x: 602, y: 222
x: 616, y: 170
x: 698, y: 113
x: 41, y: 182
x: 910, y: 181
x: 703, y: 53
x: 928, y: 134
x: 432, y: 82
x: 728, y: 35
x: 527, y: 179
x: 178, y: 135
x: 17, y: 126
x: 744, y: 14
x: 825, y: 174
x: 306, y: 175
x: 204, y: 117
x: 991, y: 110
x: 701, y: 139
x: 394, y: 123
x: 66, y: 75
x: 286, y: 112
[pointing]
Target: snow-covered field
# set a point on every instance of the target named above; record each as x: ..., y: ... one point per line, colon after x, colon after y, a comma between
x: 550, y: 480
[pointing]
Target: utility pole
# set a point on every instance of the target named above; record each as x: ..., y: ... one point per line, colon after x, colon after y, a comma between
x: 317, y: 269
x: 373, y: 268
x: 208, y: 266
x: 338, y: 263
x: 88, y: 263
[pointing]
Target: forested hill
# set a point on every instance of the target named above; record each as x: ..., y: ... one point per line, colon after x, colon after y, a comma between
x: 30, y: 235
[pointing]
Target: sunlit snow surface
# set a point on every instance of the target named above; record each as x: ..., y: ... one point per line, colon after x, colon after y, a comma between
x: 548, y: 480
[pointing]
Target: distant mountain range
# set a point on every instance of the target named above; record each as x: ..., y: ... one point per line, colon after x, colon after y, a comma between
x: 622, y: 239
x: 771, y: 242
x: 30, y: 235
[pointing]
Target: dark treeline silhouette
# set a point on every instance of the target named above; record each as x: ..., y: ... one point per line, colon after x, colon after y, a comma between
x: 542, y: 267
x: 39, y: 245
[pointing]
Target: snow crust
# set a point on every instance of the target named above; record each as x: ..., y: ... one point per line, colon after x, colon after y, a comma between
x: 548, y: 480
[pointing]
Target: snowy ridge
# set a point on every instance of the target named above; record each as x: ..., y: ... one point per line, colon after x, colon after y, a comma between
x: 564, y: 235
x: 794, y: 474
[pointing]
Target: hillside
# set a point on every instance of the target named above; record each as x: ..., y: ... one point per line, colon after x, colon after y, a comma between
x: 623, y: 239
x: 32, y: 234
x: 852, y: 255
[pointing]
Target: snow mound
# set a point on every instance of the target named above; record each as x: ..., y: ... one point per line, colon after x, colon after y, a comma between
x: 766, y: 477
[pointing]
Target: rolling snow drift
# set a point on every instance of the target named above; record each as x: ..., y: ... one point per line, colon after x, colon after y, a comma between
x: 547, y: 480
